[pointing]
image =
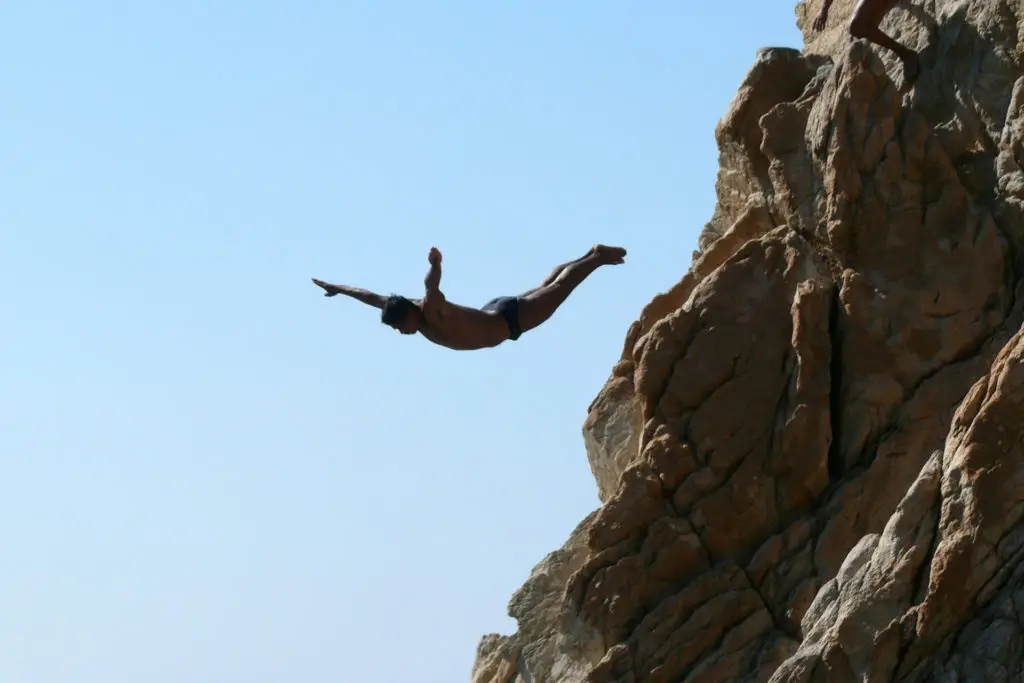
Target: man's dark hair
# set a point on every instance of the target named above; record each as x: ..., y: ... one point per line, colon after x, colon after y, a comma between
x: 395, y: 309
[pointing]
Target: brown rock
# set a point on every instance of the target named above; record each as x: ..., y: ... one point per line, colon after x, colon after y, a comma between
x: 497, y: 659
x: 809, y: 454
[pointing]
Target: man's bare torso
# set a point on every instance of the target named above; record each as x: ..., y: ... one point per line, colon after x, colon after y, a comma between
x: 463, y: 328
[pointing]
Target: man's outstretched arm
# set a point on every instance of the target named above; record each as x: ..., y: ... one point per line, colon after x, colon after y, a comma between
x: 368, y: 298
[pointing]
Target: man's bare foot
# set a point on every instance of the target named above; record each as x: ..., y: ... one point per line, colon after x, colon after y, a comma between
x: 612, y: 256
x: 911, y: 69
x: 329, y: 289
x: 820, y: 21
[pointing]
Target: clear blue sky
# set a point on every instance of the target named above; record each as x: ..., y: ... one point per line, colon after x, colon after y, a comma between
x: 211, y: 474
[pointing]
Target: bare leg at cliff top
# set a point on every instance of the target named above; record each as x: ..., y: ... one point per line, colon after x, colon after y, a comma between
x: 865, y: 22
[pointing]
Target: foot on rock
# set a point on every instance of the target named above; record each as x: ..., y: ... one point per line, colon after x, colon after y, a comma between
x: 911, y: 70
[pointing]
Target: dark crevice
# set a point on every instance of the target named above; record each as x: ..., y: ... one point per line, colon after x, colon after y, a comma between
x: 924, y: 571
x: 783, y: 404
x: 522, y: 668
x: 835, y: 394
x: 777, y: 620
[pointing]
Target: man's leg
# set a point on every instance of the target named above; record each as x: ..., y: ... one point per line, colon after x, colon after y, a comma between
x: 865, y: 22
x: 553, y: 275
x: 539, y: 304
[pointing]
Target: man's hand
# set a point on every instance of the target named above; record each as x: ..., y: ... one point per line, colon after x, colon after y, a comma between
x: 367, y: 297
x: 329, y: 289
x: 822, y: 18
x: 432, y: 282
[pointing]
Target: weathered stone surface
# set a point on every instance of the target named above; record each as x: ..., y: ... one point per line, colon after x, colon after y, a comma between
x: 611, y: 432
x: 497, y: 660
x: 953, y: 542
x: 778, y: 76
x: 550, y: 644
x: 743, y: 212
x: 809, y: 454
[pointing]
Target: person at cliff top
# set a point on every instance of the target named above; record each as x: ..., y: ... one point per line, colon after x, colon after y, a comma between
x: 865, y: 22
x: 464, y: 328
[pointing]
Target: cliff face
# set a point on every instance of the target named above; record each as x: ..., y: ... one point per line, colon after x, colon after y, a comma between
x: 811, y: 453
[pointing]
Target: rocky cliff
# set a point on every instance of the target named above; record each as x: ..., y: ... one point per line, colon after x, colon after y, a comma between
x: 810, y: 455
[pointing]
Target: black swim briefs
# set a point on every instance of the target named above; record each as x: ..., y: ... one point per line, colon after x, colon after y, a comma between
x: 508, y: 307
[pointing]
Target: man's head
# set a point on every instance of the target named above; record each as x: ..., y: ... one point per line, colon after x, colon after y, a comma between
x: 401, y: 314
